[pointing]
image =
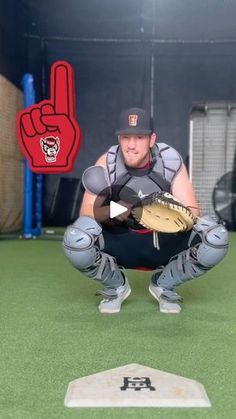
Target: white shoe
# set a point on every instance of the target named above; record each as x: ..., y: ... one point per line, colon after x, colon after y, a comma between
x: 113, y: 305
x: 165, y: 306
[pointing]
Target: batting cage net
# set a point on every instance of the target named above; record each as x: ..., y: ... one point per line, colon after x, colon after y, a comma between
x: 212, y: 149
x: 11, y: 160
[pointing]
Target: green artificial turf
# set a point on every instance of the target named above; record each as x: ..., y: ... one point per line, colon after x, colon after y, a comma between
x: 52, y: 333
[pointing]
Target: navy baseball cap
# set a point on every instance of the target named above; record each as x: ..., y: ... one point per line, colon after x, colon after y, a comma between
x: 135, y: 121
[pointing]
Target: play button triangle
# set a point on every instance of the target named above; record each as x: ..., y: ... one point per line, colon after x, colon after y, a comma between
x: 116, y: 209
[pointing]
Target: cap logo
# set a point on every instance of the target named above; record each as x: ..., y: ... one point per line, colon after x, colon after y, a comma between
x: 133, y: 120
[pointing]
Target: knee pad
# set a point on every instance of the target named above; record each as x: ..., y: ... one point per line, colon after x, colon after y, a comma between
x: 208, y: 244
x: 81, y: 241
x: 213, y: 244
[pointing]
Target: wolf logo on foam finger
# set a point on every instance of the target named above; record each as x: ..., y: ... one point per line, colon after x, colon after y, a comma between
x: 50, y: 147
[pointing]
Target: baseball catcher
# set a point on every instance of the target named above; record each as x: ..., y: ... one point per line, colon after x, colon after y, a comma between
x: 160, y: 227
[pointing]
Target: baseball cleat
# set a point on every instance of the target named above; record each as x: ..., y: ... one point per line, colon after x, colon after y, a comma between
x: 113, y: 304
x: 165, y: 306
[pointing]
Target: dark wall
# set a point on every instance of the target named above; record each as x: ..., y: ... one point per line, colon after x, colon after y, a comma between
x: 194, y: 51
x: 194, y: 55
x: 188, y: 73
x: 126, y: 19
x: 13, y: 48
x: 107, y: 78
x: 110, y: 77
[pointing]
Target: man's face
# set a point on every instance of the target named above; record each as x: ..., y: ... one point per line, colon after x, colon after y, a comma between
x: 136, y: 148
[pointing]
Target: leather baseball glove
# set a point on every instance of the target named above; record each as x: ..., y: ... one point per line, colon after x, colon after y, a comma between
x: 160, y: 211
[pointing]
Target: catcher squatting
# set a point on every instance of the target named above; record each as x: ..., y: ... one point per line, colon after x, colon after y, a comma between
x: 101, y: 248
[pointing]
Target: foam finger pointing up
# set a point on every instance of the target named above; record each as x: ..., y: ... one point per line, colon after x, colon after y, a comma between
x: 62, y: 88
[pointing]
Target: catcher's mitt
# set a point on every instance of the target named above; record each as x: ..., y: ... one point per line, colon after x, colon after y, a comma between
x: 160, y: 211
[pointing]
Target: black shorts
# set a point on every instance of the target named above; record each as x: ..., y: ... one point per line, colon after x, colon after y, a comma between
x: 134, y: 250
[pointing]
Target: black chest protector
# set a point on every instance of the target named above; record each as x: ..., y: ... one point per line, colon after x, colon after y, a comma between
x: 165, y: 164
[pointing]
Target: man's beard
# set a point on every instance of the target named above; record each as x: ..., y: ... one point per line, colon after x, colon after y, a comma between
x: 136, y: 161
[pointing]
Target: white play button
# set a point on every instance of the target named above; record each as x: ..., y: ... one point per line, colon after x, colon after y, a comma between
x: 125, y: 196
x: 116, y: 209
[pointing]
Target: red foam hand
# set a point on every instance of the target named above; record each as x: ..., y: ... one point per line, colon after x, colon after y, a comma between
x: 48, y: 133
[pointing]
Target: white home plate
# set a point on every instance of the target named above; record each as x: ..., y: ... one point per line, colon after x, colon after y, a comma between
x: 135, y: 385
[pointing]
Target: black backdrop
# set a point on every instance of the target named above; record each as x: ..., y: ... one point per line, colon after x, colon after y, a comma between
x: 110, y: 44
x: 113, y: 76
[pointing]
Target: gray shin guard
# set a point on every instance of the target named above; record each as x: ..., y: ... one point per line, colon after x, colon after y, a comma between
x: 83, y: 242
x: 208, y: 245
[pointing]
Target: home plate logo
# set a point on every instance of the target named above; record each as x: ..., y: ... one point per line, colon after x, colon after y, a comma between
x: 135, y: 385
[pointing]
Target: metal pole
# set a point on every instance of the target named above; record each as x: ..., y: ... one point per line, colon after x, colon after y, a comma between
x: 29, y: 99
x: 152, y: 76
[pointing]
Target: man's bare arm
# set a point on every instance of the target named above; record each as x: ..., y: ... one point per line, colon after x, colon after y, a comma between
x: 183, y: 190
